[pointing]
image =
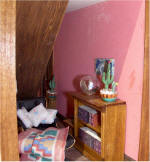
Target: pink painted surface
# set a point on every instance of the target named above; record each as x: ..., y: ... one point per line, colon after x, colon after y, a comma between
x: 105, y: 30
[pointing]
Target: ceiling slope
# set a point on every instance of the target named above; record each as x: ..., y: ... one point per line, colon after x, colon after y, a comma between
x: 37, y: 25
x: 78, y: 4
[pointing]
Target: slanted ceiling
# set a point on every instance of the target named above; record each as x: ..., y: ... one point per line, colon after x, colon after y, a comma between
x: 37, y: 25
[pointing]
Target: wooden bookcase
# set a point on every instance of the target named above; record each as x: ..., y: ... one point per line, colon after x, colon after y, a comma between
x: 111, y: 128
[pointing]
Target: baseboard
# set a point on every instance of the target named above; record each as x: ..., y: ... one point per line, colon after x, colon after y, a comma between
x: 128, y: 158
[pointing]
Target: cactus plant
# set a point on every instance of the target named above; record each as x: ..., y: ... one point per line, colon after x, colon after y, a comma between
x: 52, y: 84
x: 106, y: 79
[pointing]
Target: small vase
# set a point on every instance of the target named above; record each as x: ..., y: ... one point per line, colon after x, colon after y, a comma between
x: 108, y: 95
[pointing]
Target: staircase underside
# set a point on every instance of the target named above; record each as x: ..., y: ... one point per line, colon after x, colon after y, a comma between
x: 37, y: 25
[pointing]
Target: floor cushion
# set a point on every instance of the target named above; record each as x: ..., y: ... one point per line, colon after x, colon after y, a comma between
x: 43, y: 145
x: 26, y: 139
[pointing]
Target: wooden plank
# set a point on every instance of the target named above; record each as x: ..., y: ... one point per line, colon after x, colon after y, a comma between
x: 37, y: 25
x: 95, y: 101
x: 83, y: 124
x: 113, y: 133
x: 8, y: 118
x: 76, y: 118
x: 144, y: 132
x: 104, y: 121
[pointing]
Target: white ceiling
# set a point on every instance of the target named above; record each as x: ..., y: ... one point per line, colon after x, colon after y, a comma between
x: 77, y: 4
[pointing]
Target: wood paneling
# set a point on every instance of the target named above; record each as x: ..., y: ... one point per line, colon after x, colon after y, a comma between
x: 8, y: 118
x: 144, y: 133
x: 37, y: 25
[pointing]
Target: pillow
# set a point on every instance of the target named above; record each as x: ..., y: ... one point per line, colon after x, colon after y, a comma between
x: 50, y: 144
x: 26, y: 139
x: 37, y: 114
x: 23, y: 116
x: 50, y: 117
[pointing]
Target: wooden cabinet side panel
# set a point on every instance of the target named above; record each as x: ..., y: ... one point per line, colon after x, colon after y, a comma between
x: 113, y: 133
x: 76, y: 118
x: 104, y: 122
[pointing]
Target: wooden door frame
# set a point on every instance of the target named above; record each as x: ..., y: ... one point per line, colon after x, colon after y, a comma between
x: 144, y: 130
x: 8, y: 116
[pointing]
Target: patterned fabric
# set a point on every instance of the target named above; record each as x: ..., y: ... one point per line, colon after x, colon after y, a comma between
x: 26, y: 139
x: 32, y: 157
x: 48, y: 145
x: 45, y: 144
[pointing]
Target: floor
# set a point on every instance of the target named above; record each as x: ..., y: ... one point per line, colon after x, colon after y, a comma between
x: 73, y: 154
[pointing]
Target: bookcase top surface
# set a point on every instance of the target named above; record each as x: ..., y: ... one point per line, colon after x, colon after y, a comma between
x: 95, y: 100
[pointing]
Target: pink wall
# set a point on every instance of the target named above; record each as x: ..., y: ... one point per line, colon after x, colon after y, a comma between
x: 105, y: 30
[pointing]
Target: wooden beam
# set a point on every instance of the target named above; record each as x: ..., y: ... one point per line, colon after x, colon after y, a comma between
x: 37, y: 25
x: 8, y: 117
x: 144, y: 132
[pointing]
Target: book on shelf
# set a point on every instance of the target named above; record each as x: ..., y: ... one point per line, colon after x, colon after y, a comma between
x: 88, y: 115
x: 90, y: 138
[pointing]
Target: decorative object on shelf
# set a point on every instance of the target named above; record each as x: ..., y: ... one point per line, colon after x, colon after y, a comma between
x: 89, y: 85
x: 106, y: 78
x: 114, y: 84
x: 52, y: 91
x: 52, y: 84
x: 107, y: 94
x: 51, y: 94
x: 101, y: 65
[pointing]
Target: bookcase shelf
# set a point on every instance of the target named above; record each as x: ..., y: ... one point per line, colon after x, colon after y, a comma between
x: 87, y: 151
x: 82, y: 124
x: 111, y: 129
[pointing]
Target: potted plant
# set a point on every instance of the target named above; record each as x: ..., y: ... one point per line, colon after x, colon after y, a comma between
x: 108, y: 94
x: 52, y: 91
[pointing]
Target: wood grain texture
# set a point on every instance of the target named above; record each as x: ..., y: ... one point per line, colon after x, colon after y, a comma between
x: 75, y: 118
x: 111, y: 129
x: 8, y: 118
x: 37, y: 25
x: 95, y: 101
x: 144, y: 132
x: 114, y: 133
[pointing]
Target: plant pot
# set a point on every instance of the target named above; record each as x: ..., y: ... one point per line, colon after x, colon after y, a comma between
x: 108, y: 95
x: 51, y: 94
